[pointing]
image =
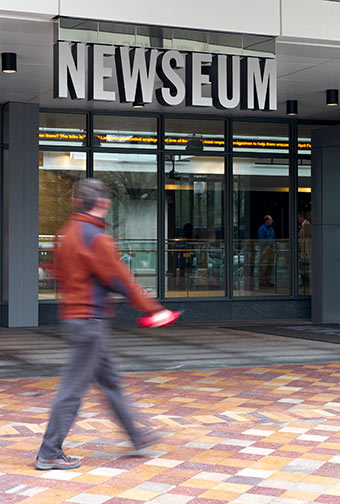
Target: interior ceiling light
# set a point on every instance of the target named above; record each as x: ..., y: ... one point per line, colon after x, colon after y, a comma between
x: 292, y: 107
x: 9, y: 62
x: 332, y: 97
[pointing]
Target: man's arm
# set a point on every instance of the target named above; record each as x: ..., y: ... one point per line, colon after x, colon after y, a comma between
x: 113, y: 272
x: 260, y: 233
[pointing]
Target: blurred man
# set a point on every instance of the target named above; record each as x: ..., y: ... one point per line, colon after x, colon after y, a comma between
x: 266, y: 235
x: 88, y: 268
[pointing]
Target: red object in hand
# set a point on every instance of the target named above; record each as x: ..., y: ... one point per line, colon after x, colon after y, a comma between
x: 160, y: 319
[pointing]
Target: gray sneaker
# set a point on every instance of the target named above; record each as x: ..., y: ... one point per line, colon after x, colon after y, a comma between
x: 61, y: 462
x: 146, y: 439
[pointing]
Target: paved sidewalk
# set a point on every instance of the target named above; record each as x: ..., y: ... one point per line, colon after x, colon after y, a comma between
x: 244, y: 417
x: 268, y: 435
x: 43, y: 351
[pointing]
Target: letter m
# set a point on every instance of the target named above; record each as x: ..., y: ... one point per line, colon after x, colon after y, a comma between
x: 261, y: 84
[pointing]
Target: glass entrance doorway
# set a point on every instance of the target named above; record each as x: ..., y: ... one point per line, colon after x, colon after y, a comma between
x: 194, y: 226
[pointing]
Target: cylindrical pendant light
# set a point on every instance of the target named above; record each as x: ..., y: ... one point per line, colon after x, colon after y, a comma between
x: 9, y: 62
x: 292, y: 107
x: 138, y: 104
x: 332, y: 97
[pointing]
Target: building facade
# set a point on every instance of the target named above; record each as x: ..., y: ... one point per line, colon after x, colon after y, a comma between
x: 200, y: 122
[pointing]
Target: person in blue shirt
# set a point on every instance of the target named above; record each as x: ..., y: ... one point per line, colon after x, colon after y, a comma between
x: 266, y: 236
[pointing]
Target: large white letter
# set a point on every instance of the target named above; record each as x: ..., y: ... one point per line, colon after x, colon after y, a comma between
x: 133, y: 76
x: 261, y: 80
x: 174, y: 91
x: 69, y: 70
x: 226, y: 75
x: 98, y: 72
x: 195, y: 79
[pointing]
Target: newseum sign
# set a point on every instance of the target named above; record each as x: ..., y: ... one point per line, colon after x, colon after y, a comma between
x: 170, y: 77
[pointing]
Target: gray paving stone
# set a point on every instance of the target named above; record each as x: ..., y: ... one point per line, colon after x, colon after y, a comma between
x: 43, y: 351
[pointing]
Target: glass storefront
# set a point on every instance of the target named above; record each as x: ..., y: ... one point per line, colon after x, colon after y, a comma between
x: 194, y: 226
x: 203, y: 212
x: 62, y: 129
x: 304, y: 227
x: 260, y: 137
x: 132, y: 219
x: 194, y: 135
x: 125, y: 132
x: 58, y: 171
x: 304, y: 211
x: 261, y: 256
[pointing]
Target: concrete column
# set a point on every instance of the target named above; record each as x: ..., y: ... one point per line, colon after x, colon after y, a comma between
x: 20, y: 215
x: 326, y: 225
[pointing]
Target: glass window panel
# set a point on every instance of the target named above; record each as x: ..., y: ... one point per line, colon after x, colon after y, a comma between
x: 260, y: 137
x: 261, y: 261
x: 120, y: 33
x: 58, y: 171
x: 255, y: 45
x: 305, y: 137
x: 154, y: 36
x: 225, y: 43
x: 78, y: 30
x: 190, y: 40
x: 194, y: 226
x: 132, y: 181
x: 194, y: 135
x: 304, y: 227
x: 125, y: 131
x: 116, y: 33
x: 62, y: 129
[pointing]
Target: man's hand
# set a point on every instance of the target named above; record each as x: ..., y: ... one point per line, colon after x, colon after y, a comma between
x: 162, y: 318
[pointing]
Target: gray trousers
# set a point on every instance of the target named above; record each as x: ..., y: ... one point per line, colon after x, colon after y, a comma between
x: 88, y: 362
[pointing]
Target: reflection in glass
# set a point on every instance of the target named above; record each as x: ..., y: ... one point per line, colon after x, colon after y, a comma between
x: 78, y: 30
x: 163, y: 37
x: 190, y: 40
x: 125, y: 132
x: 132, y: 182
x: 194, y: 226
x: 116, y: 33
x: 225, y: 43
x: 154, y: 36
x: 62, y: 129
x: 260, y: 137
x: 255, y: 44
x: 304, y: 227
x: 58, y: 171
x: 194, y: 135
x: 261, y: 265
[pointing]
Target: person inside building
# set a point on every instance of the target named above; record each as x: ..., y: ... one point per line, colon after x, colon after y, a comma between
x: 88, y: 267
x: 304, y: 241
x: 266, y: 236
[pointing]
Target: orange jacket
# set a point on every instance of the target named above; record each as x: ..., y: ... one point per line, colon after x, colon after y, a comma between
x: 88, y: 267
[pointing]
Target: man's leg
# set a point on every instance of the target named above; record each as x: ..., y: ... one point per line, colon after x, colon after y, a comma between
x: 108, y: 379
x: 78, y: 374
x: 270, y: 266
x: 262, y: 268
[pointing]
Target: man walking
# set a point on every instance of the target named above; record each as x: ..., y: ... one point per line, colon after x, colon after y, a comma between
x: 88, y: 268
